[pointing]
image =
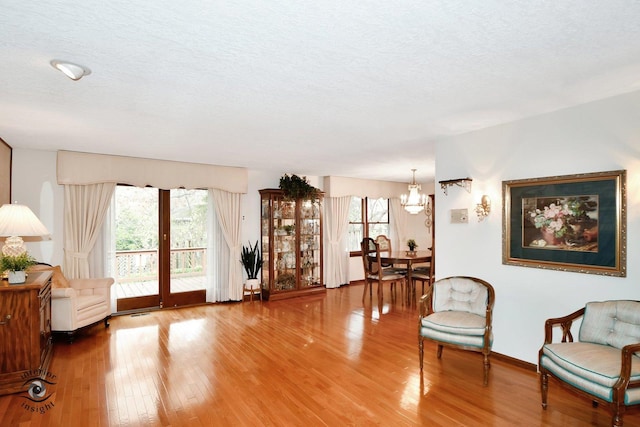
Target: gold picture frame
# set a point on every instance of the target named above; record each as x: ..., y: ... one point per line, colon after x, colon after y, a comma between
x: 571, y: 223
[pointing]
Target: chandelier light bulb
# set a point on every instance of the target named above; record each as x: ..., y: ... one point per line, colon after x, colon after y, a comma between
x: 413, y: 202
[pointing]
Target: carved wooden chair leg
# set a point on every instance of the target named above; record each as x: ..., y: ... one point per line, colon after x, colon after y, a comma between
x: 487, y: 366
x: 439, y: 353
x: 618, y: 413
x: 421, y: 352
x: 544, y: 387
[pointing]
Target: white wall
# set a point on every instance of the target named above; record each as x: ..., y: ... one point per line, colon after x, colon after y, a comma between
x: 599, y: 136
x: 33, y: 182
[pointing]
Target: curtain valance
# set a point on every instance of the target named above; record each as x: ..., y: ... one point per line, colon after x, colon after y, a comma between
x: 86, y: 168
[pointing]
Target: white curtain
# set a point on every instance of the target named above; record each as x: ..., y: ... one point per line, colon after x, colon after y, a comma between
x: 336, y: 268
x: 85, y: 207
x: 228, y: 213
x: 218, y: 255
x: 399, y: 217
x: 109, y: 250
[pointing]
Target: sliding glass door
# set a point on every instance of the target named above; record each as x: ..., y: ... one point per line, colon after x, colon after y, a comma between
x: 160, y: 239
x: 186, y: 249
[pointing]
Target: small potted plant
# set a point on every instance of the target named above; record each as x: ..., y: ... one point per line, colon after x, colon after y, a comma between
x: 16, y: 266
x: 412, y: 246
x: 252, y: 262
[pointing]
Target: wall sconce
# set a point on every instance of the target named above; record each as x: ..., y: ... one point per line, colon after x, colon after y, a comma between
x: 483, y: 208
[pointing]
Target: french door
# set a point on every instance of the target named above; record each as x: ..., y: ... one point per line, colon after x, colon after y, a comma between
x: 161, y: 247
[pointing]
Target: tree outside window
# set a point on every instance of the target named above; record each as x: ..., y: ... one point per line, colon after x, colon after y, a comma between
x: 367, y: 218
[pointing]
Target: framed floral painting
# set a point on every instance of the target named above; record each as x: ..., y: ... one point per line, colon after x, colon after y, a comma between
x: 570, y: 223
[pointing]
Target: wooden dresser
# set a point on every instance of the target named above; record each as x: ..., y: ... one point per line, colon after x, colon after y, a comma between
x: 25, y: 331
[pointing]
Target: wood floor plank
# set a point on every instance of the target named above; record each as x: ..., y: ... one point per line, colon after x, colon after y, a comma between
x: 326, y: 360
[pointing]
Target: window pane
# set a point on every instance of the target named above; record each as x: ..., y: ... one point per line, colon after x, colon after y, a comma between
x: 377, y: 229
x: 136, y: 234
x: 355, y: 210
x: 378, y: 210
x: 188, y: 240
x: 355, y: 236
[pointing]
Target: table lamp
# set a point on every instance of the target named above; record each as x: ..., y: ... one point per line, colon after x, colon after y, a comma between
x: 17, y: 221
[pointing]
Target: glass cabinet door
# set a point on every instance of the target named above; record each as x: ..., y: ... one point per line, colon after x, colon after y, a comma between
x: 284, y: 236
x: 265, y: 223
x: 310, y: 243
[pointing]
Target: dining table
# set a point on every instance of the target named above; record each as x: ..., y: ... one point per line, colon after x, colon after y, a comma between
x: 407, y: 258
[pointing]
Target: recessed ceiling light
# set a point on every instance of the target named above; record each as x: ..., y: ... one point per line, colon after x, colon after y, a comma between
x: 71, y: 70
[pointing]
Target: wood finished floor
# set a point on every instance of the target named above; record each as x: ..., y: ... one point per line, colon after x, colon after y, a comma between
x: 311, y: 361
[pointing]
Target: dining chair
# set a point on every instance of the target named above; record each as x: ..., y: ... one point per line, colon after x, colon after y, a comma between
x: 374, y: 273
x: 457, y: 312
x: 384, y: 243
x: 425, y: 274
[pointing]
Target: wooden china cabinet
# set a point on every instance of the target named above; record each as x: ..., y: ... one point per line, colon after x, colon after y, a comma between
x: 291, y: 246
x: 25, y: 331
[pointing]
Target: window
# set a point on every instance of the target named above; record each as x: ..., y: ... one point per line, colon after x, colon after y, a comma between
x: 367, y: 218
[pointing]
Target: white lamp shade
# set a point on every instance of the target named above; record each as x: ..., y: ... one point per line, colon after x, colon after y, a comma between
x: 19, y: 220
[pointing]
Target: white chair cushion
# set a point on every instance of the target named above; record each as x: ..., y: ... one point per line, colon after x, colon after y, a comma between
x: 593, y: 368
x: 460, y: 294
x: 455, y: 322
x: 614, y: 323
x: 455, y: 327
x: 386, y: 276
x: 88, y: 301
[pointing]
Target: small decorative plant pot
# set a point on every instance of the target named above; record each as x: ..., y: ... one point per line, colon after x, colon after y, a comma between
x: 17, y: 277
x: 252, y: 284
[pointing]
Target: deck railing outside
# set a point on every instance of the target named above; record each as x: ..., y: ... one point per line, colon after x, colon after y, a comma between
x: 140, y: 266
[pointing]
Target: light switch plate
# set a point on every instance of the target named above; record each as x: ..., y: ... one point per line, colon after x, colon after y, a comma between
x: 459, y: 216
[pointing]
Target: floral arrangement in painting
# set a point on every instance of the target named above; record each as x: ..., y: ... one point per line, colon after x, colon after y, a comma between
x: 552, y: 218
x: 566, y: 217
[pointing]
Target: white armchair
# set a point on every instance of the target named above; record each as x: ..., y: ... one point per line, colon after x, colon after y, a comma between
x: 78, y: 303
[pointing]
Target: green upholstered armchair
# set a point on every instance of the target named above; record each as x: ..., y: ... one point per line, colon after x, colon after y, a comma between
x: 457, y: 312
x: 603, y: 364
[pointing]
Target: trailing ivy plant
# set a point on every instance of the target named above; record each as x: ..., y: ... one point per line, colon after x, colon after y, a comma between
x: 295, y: 187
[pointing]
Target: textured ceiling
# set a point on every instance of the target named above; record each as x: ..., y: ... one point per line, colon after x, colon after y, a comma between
x: 359, y: 89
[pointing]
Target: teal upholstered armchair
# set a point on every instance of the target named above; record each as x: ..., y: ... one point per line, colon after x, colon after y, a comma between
x: 457, y: 312
x: 603, y: 364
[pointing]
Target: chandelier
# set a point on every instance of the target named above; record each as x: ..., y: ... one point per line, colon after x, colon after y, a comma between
x: 413, y: 202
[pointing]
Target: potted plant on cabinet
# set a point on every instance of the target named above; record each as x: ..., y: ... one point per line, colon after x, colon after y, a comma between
x: 16, y: 266
x: 294, y: 187
x: 252, y: 262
